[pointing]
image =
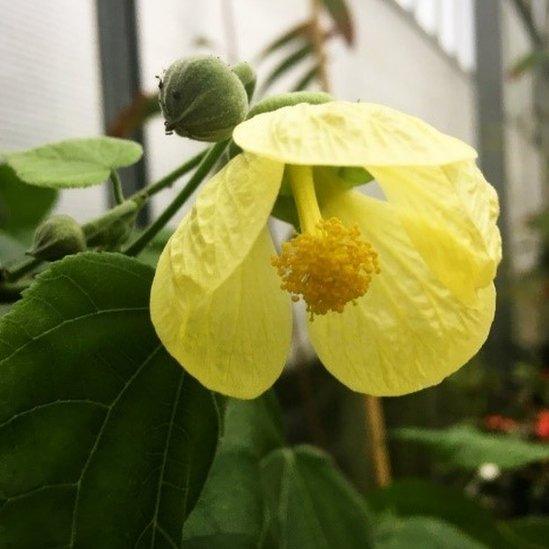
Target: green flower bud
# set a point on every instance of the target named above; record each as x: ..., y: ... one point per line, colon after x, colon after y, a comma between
x: 246, y: 74
x: 58, y: 236
x: 202, y: 98
x: 275, y: 102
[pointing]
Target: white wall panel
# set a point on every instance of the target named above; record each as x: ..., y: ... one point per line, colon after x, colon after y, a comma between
x: 49, y: 81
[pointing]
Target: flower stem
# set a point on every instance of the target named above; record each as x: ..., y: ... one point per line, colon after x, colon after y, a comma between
x: 117, y: 187
x: 377, y: 440
x: 21, y: 269
x: 27, y: 265
x: 10, y: 293
x: 170, y: 178
x: 206, y: 164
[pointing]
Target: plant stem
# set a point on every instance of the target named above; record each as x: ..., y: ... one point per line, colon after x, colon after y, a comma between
x: 117, y: 187
x: 206, y: 164
x: 377, y: 440
x: 10, y: 293
x: 21, y: 269
x: 170, y: 178
x: 28, y: 264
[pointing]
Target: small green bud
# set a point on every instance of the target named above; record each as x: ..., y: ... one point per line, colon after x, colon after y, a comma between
x: 202, y: 98
x: 247, y: 76
x: 58, y: 236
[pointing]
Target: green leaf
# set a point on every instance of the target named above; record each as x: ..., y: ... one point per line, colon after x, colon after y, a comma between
x: 285, y: 209
x: 254, y: 425
x: 104, y: 440
x: 528, y: 532
x: 220, y: 541
x: 463, y: 446
x: 411, y: 497
x: 22, y: 206
x: 341, y: 15
x: 75, y: 162
x: 286, y: 64
x: 310, y: 504
x: 306, y: 79
x: 529, y: 62
x: 425, y: 532
x: 232, y: 502
x: 301, y: 30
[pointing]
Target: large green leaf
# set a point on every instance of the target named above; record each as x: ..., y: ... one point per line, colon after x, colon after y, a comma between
x: 231, y: 505
x: 22, y: 206
x: 104, y: 440
x: 74, y: 162
x: 310, y: 504
x: 220, y: 541
x: 424, y: 532
x: 412, y: 497
x: 466, y: 447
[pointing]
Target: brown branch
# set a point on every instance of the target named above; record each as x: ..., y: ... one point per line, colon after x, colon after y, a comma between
x: 319, y: 45
x: 134, y: 115
x: 377, y: 440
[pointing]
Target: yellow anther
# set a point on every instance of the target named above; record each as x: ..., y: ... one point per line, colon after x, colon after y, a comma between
x: 328, y: 268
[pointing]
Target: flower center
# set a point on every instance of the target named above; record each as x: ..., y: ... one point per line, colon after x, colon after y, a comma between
x: 328, y: 264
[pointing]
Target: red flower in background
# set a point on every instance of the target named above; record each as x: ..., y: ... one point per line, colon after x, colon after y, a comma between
x: 542, y: 425
x: 497, y: 422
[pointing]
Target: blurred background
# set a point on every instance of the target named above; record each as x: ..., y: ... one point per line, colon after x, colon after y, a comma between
x: 478, y: 70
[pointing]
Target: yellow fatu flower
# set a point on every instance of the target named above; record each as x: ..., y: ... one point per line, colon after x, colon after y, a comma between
x: 399, y: 291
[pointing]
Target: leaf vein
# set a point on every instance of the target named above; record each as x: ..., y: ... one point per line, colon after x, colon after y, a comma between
x: 98, y: 438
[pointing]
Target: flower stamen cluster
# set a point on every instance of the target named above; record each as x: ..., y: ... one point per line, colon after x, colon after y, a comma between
x: 327, y: 268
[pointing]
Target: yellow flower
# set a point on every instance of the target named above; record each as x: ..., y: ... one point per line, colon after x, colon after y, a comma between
x: 399, y: 292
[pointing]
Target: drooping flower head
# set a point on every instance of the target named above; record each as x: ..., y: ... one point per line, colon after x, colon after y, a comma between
x: 399, y: 291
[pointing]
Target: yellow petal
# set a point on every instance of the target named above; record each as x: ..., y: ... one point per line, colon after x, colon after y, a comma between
x: 225, y: 221
x: 450, y: 214
x: 409, y: 331
x: 167, y: 314
x: 236, y: 340
x: 341, y: 133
